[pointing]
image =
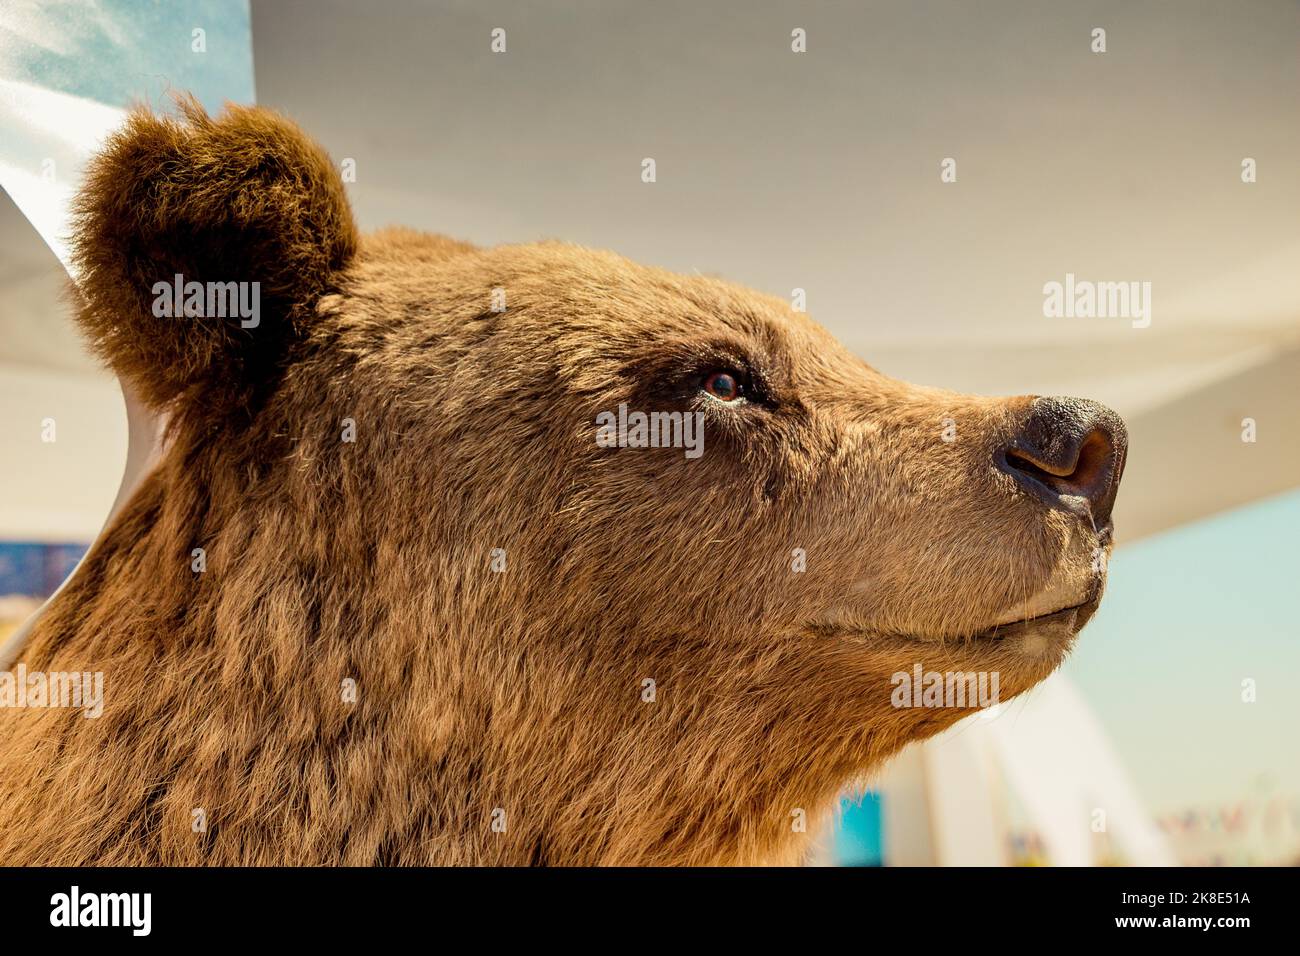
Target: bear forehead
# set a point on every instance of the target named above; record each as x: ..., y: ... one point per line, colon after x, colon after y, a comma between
x: 591, y: 303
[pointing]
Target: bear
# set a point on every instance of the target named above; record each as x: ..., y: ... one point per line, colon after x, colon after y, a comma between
x: 387, y: 598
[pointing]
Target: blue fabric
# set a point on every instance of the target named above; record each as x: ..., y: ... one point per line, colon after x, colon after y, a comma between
x: 34, y: 569
x: 858, y: 837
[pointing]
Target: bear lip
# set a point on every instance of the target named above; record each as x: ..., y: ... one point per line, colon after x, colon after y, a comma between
x: 1062, y: 594
x: 1067, y: 619
x: 1063, y: 622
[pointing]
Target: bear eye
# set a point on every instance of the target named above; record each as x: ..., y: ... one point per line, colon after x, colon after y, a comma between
x: 723, y: 386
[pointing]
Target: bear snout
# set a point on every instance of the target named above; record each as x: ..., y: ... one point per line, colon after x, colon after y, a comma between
x: 1069, y: 453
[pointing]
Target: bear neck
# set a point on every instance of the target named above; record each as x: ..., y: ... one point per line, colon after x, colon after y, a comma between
x: 326, y: 687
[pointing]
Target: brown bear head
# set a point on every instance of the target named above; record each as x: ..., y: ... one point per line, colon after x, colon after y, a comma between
x: 423, y: 469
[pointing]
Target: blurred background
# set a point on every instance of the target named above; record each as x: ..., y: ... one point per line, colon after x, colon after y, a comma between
x: 1171, y: 735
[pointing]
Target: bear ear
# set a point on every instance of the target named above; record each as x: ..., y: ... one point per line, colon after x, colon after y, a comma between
x: 245, y: 198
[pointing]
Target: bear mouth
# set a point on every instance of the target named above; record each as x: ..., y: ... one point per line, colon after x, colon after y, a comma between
x: 1061, y: 624
x: 1067, y: 621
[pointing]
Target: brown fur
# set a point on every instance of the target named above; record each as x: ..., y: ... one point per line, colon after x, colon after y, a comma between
x: 519, y: 691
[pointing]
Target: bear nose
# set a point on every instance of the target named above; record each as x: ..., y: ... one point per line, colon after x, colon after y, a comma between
x: 1069, y: 453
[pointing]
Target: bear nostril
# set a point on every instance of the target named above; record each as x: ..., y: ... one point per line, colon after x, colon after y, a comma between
x: 1081, y: 477
x: 1070, y: 453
